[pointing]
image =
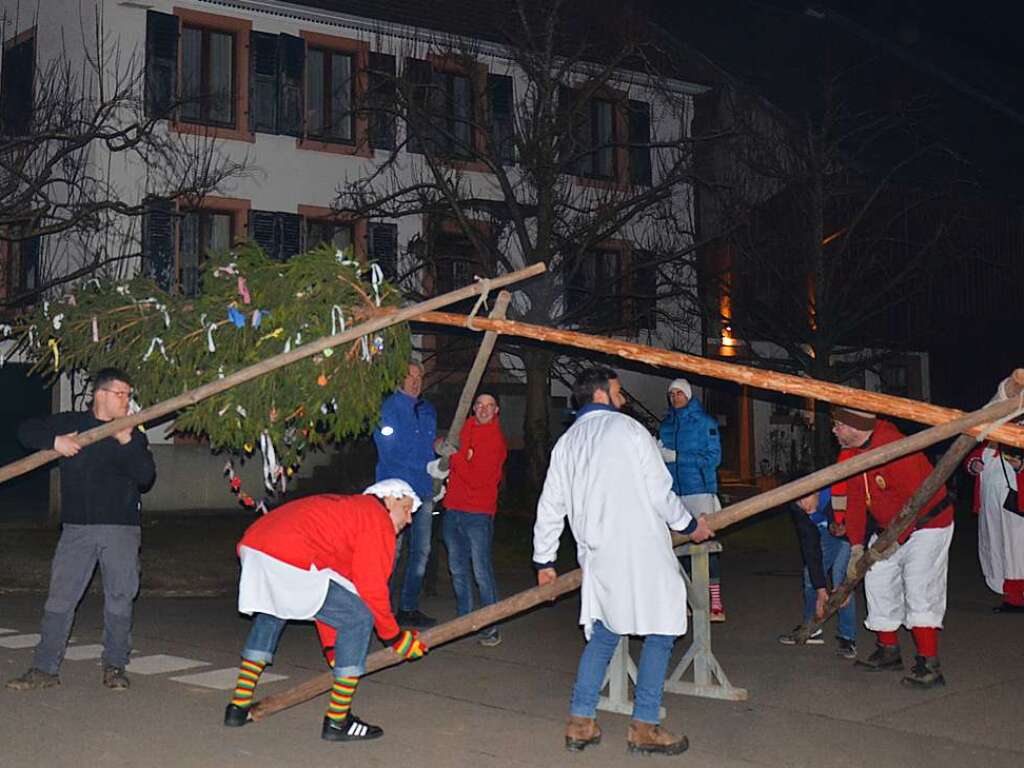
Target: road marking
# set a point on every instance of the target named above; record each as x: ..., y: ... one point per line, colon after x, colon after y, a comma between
x: 83, y: 652
x: 19, y: 641
x: 223, y: 679
x: 7, y: 631
x: 162, y: 663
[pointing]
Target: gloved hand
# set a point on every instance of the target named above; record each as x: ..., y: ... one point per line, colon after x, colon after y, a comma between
x: 446, y: 449
x: 442, y: 489
x: 435, y: 471
x: 408, y: 645
x: 667, y: 454
x: 856, y: 553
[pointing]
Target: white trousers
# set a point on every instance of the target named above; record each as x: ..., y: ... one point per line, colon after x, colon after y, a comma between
x: 909, y: 588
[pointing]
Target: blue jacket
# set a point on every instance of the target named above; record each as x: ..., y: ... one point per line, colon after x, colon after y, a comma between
x: 405, y: 441
x: 693, y: 435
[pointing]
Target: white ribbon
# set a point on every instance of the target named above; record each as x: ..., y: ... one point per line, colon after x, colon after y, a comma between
x: 339, y: 255
x: 288, y: 345
x: 46, y: 309
x: 480, y: 301
x: 5, y: 329
x: 95, y: 331
x: 167, y: 317
x: 153, y: 344
x: 230, y: 269
x: 272, y: 471
x: 241, y: 411
x: 366, y: 348
x: 122, y: 290
x: 209, y: 337
x: 220, y: 372
x: 298, y: 339
x: 92, y: 280
x: 58, y: 321
x: 32, y: 335
x: 376, y: 278
x: 337, y: 318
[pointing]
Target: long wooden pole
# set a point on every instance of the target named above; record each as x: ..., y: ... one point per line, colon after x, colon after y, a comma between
x: 875, y: 402
x: 194, y: 396
x: 476, y: 373
x: 473, y: 622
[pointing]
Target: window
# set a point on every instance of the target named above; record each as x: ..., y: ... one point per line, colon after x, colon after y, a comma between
x: 441, y: 120
x: 329, y: 95
x: 501, y: 118
x: 319, y: 232
x: 599, y: 160
x: 207, y: 76
x: 278, y: 234
x: 640, y: 143
x: 380, y: 101
x: 382, y: 247
x: 16, y: 86
x: 589, y: 145
x: 19, y: 267
x: 201, y: 232
x: 593, y: 290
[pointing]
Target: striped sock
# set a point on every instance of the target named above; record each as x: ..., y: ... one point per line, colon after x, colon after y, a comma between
x: 341, y: 697
x: 716, y: 596
x: 248, y: 675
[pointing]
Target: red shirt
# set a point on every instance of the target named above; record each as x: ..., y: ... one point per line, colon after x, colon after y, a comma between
x: 882, y: 491
x: 352, y: 535
x: 473, y: 484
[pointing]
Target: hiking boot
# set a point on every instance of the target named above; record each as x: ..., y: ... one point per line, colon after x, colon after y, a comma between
x: 793, y: 638
x: 718, y: 615
x: 349, y: 729
x: 415, y: 619
x: 581, y: 732
x: 114, y: 678
x: 926, y: 673
x: 235, y: 716
x: 884, y: 657
x: 846, y: 648
x: 490, y: 639
x: 33, y: 680
x: 652, y: 739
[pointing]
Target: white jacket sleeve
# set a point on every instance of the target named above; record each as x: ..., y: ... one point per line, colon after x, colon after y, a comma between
x: 658, y: 483
x: 667, y: 454
x: 551, y: 511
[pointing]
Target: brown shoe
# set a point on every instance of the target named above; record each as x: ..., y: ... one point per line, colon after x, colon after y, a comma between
x: 33, y: 680
x: 114, y: 678
x: 652, y: 739
x: 581, y: 732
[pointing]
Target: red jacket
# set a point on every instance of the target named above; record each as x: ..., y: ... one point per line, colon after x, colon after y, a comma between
x: 352, y: 535
x: 473, y: 484
x: 882, y: 491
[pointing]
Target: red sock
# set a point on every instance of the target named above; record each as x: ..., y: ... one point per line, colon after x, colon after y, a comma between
x: 927, y: 640
x: 888, y: 638
x: 1013, y: 591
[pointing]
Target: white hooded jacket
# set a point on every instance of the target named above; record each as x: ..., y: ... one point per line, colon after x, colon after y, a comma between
x: 607, y: 476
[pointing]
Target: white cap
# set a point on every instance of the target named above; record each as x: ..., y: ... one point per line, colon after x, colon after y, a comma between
x: 683, y: 386
x: 394, y: 488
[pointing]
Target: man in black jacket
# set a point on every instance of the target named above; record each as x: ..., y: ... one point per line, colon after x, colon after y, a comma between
x: 100, y: 489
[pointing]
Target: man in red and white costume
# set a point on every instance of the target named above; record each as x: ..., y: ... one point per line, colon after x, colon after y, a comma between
x: 326, y: 558
x: 908, y: 588
x: 997, y: 501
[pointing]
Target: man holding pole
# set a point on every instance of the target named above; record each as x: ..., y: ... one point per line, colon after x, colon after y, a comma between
x: 607, y: 476
x: 908, y: 588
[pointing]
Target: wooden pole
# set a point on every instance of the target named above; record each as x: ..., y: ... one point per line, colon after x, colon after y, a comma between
x: 875, y: 402
x: 194, y: 396
x: 476, y: 373
x: 477, y: 620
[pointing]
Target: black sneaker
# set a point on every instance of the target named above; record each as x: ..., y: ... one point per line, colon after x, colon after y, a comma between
x: 236, y: 716
x: 490, y: 639
x: 349, y: 729
x: 884, y: 657
x: 415, y: 619
x: 926, y: 673
x: 33, y: 680
x: 793, y: 638
x: 846, y: 649
x: 114, y: 678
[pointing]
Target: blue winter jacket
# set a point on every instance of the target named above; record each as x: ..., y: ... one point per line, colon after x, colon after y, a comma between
x: 405, y: 441
x: 693, y: 435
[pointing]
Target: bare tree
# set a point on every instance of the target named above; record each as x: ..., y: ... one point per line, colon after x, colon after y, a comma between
x: 75, y: 140
x: 572, y: 150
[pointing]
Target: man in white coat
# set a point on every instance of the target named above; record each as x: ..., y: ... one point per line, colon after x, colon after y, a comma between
x: 607, y: 476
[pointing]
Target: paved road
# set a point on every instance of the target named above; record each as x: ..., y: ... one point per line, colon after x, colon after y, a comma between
x: 470, y: 706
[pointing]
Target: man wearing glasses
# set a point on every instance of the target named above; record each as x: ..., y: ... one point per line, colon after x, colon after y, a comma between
x: 100, y: 487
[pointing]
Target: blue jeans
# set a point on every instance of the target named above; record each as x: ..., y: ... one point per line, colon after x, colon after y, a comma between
x: 835, y: 554
x: 650, y: 677
x: 343, y: 610
x: 418, y: 536
x: 468, y: 537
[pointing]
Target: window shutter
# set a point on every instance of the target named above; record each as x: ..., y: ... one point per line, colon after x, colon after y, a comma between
x: 28, y: 266
x: 501, y: 106
x: 291, y: 110
x: 290, y: 228
x: 383, y: 247
x: 639, y: 142
x: 263, y: 232
x: 568, y: 141
x: 263, y: 82
x: 381, y: 101
x: 17, y: 88
x: 158, y: 241
x: 418, y: 74
x: 161, y: 63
